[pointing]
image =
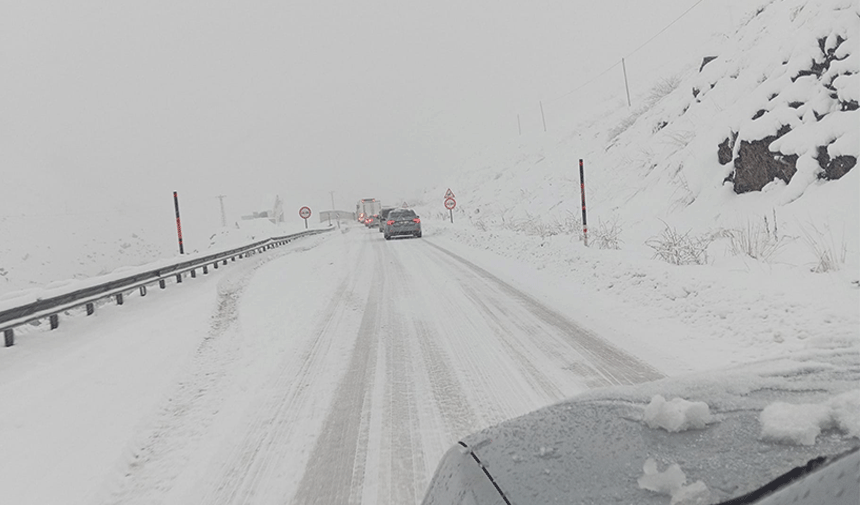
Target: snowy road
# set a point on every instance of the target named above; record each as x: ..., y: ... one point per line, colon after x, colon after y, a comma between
x: 339, y: 371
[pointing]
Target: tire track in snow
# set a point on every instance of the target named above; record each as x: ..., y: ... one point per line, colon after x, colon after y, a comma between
x: 255, y: 458
x: 474, y: 367
x: 335, y: 472
x: 456, y: 411
x: 403, y: 472
x: 452, y: 404
x: 613, y: 364
x: 498, y: 321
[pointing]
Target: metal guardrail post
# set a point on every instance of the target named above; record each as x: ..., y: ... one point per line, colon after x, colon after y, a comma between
x: 9, y: 336
x: 193, y: 273
x: 205, y: 269
x: 119, y: 300
x: 55, y: 321
x: 90, y: 308
x: 143, y: 291
x: 162, y: 284
x: 178, y: 278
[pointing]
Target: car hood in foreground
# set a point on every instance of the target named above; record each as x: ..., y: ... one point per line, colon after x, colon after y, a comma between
x: 593, y: 448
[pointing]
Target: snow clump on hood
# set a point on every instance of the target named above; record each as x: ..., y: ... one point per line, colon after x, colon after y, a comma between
x: 676, y: 415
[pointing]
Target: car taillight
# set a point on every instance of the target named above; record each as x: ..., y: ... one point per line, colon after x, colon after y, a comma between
x: 417, y: 220
x: 390, y: 222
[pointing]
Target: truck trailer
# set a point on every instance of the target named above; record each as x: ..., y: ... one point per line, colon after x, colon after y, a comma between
x: 367, y: 207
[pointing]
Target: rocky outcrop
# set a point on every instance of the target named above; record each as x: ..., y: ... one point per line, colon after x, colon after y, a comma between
x: 756, y: 166
x: 834, y: 168
x: 811, y: 95
x: 726, y: 148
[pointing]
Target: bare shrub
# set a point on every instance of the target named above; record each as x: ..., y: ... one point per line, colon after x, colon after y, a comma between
x: 625, y: 123
x: 662, y: 88
x: 829, y: 253
x: 679, y: 138
x: 570, y: 224
x: 680, y: 248
x: 756, y: 240
x: 607, y: 235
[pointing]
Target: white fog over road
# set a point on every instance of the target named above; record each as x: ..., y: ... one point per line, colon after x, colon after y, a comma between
x: 336, y: 370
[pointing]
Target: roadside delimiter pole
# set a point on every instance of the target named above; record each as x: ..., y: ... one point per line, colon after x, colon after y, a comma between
x: 178, y: 224
x: 582, y: 192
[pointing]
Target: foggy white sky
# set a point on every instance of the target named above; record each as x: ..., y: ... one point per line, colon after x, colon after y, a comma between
x: 118, y: 103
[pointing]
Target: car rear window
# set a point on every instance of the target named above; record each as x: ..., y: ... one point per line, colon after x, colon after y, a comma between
x: 402, y: 213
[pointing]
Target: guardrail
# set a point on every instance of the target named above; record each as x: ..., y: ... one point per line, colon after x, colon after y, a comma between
x: 86, y: 297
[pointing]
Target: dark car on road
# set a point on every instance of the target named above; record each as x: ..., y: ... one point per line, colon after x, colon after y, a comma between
x: 372, y: 221
x: 383, y: 217
x: 402, y: 222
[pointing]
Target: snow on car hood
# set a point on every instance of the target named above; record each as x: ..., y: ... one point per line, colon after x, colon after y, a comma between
x: 594, y: 448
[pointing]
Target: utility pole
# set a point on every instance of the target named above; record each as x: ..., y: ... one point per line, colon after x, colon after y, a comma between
x: 626, y: 86
x: 223, y: 214
x: 542, y: 117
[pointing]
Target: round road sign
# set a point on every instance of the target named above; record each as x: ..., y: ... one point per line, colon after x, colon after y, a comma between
x: 305, y: 212
x: 450, y: 203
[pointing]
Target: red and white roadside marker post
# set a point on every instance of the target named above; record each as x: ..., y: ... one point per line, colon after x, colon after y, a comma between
x: 178, y: 223
x: 305, y: 213
x: 582, y: 193
x: 450, y: 203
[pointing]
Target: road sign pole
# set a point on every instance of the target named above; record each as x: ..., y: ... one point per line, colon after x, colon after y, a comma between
x: 450, y: 203
x: 305, y: 213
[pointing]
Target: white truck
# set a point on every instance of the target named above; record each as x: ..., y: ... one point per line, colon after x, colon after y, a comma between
x: 367, y: 207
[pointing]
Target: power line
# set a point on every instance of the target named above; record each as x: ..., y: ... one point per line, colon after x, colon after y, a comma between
x: 586, y: 83
x: 604, y: 72
x: 664, y: 29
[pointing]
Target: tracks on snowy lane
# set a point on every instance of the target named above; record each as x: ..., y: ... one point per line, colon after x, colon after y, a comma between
x: 335, y: 472
x: 613, y: 365
x: 350, y: 387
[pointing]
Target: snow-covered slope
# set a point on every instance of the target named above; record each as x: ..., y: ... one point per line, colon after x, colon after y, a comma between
x: 789, y: 71
x: 762, y: 269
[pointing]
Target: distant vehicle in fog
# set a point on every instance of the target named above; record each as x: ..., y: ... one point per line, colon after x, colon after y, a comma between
x: 367, y: 207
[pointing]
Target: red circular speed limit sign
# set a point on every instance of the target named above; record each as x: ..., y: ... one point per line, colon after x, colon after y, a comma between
x: 305, y: 212
x: 450, y: 203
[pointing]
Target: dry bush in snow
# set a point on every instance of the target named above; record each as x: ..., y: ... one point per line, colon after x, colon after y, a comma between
x: 830, y: 254
x: 757, y: 241
x: 607, y: 235
x: 680, y: 248
x: 662, y: 88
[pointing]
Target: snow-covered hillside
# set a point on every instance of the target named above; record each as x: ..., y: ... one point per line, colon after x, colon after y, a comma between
x: 693, y: 151
x: 762, y: 267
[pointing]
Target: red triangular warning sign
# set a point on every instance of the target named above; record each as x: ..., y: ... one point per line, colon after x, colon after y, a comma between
x: 449, y: 193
